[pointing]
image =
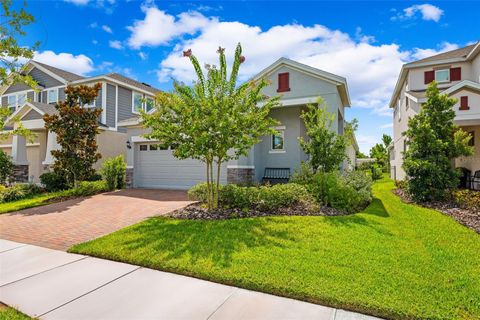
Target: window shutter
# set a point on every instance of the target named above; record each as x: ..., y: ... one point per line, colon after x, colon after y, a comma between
x: 464, y: 103
x: 429, y: 76
x: 283, y: 82
x: 455, y: 74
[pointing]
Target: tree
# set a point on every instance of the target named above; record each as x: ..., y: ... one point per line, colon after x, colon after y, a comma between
x: 434, y: 141
x: 6, y: 167
x: 380, y: 152
x: 214, y: 120
x: 12, y: 56
x: 76, y: 128
x: 360, y: 155
x: 326, y: 149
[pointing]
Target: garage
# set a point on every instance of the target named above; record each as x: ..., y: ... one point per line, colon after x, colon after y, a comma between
x: 156, y: 167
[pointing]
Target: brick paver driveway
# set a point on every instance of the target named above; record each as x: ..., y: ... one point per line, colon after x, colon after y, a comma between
x: 60, y: 225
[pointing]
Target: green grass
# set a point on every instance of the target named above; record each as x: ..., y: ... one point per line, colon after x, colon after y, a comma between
x: 30, y: 202
x: 392, y: 260
x: 8, y: 313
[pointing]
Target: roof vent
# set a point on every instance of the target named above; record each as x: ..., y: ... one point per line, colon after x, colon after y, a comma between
x: 146, y: 84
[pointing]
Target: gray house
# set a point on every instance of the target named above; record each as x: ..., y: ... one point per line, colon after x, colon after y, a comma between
x: 150, y: 166
x: 120, y: 98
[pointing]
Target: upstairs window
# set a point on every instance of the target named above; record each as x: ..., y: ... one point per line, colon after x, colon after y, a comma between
x: 137, y: 103
x: 283, y: 82
x: 15, y: 101
x: 149, y: 104
x: 52, y: 96
x: 442, y: 75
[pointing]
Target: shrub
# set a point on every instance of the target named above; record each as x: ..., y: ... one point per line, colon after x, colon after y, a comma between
x: 6, y: 167
x: 53, y: 181
x: 467, y: 199
x: 113, y: 172
x: 401, y: 184
x: 95, y: 177
x: 88, y: 188
x: 303, y: 175
x: 263, y: 198
x: 18, y: 191
x: 350, y: 192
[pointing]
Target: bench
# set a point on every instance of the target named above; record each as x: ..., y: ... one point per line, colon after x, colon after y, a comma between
x: 276, y: 175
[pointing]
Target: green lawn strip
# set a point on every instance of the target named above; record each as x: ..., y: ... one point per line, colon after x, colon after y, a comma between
x: 392, y: 260
x: 30, y: 202
x: 8, y: 313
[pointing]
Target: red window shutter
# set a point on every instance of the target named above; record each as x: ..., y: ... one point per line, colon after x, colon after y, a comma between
x: 429, y: 76
x: 455, y: 74
x: 464, y: 103
x: 283, y: 82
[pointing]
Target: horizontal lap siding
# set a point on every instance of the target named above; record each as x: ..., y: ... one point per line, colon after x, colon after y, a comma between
x: 110, y: 105
x: 32, y: 115
x: 17, y: 87
x: 44, y: 79
x: 124, y: 103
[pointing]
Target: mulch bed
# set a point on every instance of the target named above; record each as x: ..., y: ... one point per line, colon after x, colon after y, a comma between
x: 196, y: 211
x: 467, y: 217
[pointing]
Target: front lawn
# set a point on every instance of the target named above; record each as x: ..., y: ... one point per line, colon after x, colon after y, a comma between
x: 8, y: 313
x: 392, y: 260
x: 30, y: 202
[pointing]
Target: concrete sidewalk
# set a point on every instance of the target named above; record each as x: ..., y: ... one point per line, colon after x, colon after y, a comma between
x: 52, y: 284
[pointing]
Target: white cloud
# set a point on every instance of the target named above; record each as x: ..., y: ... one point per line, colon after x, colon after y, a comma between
x: 78, y: 2
x: 115, y: 44
x: 143, y: 55
x: 387, y: 125
x: 423, y: 53
x: 107, y: 29
x: 79, y: 64
x: 427, y: 11
x: 158, y: 27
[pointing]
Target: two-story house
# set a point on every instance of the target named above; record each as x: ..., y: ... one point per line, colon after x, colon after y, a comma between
x: 120, y: 98
x: 457, y: 73
x: 152, y: 165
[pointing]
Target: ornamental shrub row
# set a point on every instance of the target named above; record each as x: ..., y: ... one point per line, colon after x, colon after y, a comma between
x: 467, y: 199
x: 18, y: 191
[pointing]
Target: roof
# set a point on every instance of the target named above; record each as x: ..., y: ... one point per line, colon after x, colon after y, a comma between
x: 336, y: 79
x: 68, y: 76
x: 417, y: 94
x: 457, y: 53
x: 132, y: 82
x: 45, y: 108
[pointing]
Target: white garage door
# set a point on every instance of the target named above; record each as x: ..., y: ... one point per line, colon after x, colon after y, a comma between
x: 156, y: 167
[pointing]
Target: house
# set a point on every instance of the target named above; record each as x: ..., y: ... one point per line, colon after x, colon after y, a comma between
x: 457, y: 73
x: 120, y: 98
x: 152, y: 165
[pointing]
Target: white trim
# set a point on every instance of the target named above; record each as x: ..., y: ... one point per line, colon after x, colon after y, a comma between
x: 104, y: 102
x: 48, y: 95
x: 137, y: 139
x: 130, y: 167
x: 460, y: 85
x: 277, y: 151
x: 129, y: 123
x: 233, y: 166
x: 35, y: 144
x: 116, y: 107
x: 118, y: 82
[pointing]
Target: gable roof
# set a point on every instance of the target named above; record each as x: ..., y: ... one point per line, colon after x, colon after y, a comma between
x: 66, y: 75
x: 339, y: 81
x: 458, y: 55
x: 130, y: 81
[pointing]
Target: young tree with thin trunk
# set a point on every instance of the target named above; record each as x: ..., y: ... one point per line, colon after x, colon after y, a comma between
x: 214, y: 120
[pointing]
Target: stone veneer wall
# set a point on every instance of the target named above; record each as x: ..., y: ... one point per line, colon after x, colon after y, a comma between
x: 20, y: 173
x: 129, y: 178
x: 241, y: 176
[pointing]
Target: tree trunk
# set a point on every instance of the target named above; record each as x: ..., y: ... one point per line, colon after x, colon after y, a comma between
x: 209, y: 204
x: 212, y: 184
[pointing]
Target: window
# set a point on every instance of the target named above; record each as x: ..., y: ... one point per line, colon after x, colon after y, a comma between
x: 12, y: 101
x: 278, y: 140
x: 16, y: 100
x: 149, y: 104
x: 137, y: 103
x: 153, y: 147
x: 143, y: 147
x: 283, y: 82
x: 52, y: 96
x: 21, y: 99
x: 442, y: 75
x: 471, y: 143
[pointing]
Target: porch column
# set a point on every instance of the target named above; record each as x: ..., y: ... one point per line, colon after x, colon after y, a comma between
x: 51, y: 145
x: 19, y: 157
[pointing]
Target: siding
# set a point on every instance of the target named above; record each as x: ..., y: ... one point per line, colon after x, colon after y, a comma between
x: 32, y: 115
x: 44, y: 79
x: 61, y: 94
x: 44, y: 97
x: 17, y: 87
x: 98, y: 100
x: 4, y: 101
x: 110, y: 105
x: 30, y: 96
x: 124, y: 103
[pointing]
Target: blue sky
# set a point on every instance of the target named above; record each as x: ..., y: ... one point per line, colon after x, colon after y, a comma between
x: 366, y: 42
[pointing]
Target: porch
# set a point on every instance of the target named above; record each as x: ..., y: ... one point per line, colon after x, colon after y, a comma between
x: 471, y: 165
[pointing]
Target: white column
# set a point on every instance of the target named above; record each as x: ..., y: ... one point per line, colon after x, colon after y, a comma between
x: 51, y: 145
x: 19, y: 150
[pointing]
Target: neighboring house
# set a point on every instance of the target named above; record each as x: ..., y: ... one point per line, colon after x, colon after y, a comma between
x: 457, y: 73
x: 120, y: 98
x: 153, y: 166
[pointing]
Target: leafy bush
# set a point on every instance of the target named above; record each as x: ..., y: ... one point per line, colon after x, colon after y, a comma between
x: 113, y: 172
x: 95, y: 177
x: 303, y: 175
x: 53, y: 181
x: 263, y: 198
x: 88, y: 188
x: 6, y: 167
x: 467, y: 199
x: 401, y: 184
x: 377, y: 171
x: 18, y: 191
x: 350, y: 192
